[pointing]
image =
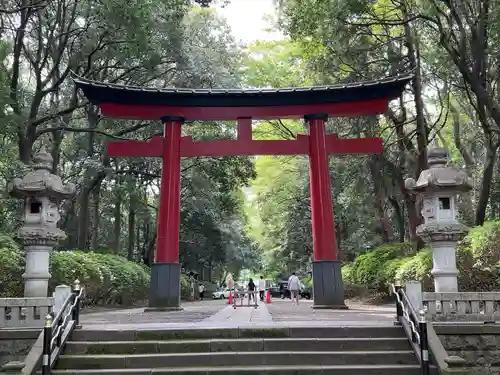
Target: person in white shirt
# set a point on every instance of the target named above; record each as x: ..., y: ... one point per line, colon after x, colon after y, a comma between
x: 293, y: 287
x: 262, y: 287
x: 201, y: 289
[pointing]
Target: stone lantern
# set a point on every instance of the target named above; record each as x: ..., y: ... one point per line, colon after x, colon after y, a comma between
x: 439, y: 187
x: 42, y: 192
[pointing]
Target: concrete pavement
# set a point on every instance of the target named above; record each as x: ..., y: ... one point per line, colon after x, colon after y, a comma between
x: 217, y: 314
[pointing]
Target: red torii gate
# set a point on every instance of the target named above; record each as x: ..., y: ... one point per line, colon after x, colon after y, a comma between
x: 314, y: 104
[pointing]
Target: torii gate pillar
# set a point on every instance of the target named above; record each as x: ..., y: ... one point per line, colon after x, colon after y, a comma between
x: 165, y: 290
x: 328, y: 288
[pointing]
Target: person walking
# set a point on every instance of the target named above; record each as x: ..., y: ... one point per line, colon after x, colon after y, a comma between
x: 262, y: 287
x: 201, y: 289
x: 293, y: 287
x: 251, y: 291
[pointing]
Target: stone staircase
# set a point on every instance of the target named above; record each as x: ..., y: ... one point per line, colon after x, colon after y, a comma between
x: 211, y: 351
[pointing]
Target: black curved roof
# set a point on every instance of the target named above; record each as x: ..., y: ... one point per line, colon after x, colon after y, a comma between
x: 99, y: 92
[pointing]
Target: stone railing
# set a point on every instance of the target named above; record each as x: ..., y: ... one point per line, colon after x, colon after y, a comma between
x: 462, y: 306
x: 24, y: 312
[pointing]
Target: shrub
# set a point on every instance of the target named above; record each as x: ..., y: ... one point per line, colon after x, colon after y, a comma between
x: 347, y: 273
x: 370, y: 269
x: 185, y: 287
x: 417, y: 267
x: 11, y: 267
x: 482, y: 244
x: 108, y: 279
x: 391, y: 269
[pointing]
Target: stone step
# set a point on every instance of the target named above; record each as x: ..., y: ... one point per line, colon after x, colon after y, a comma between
x: 277, y: 358
x: 215, y: 333
x: 238, y: 345
x: 261, y: 370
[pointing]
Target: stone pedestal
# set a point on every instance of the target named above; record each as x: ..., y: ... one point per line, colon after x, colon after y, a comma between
x: 444, y: 268
x: 165, y: 289
x: 36, y: 276
x: 328, y: 287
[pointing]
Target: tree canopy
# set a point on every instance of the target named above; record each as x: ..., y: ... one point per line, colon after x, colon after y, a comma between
x: 249, y: 212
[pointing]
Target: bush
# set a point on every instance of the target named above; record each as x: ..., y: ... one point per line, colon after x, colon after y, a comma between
x: 478, y: 263
x: 482, y: 244
x: 11, y: 267
x: 417, y: 267
x: 347, y: 274
x: 108, y: 279
x: 371, y: 269
x: 478, y: 258
x: 185, y: 287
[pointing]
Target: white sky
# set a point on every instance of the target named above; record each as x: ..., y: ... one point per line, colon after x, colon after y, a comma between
x: 246, y: 18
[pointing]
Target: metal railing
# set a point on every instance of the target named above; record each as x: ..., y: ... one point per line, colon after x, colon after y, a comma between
x: 58, y: 329
x: 415, y: 326
x: 241, y: 296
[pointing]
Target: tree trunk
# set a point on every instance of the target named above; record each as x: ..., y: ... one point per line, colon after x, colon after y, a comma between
x: 384, y: 227
x: 210, y: 266
x: 89, y: 183
x: 83, y: 219
x: 400, y: 218
x: 69, y: 224
x: 96, y: 197
x: 117, y: 225
x: 137, y: 241
x: 131, y: 227
x: 484, y: 193
x: 57, y: 138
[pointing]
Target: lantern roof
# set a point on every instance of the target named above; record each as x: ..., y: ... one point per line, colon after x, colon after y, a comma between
x: 439, y: 176
x: 40, y: 182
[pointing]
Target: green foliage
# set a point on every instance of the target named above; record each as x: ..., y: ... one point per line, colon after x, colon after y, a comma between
x: 168, y: 43
x: 347, y: 273
x: 482, y: 242
x: 108, y: 279
x: 185, y: 287
x: 477, y: 261
x: 11, y: 267
x: 417, y: 267
x: 377, y: 268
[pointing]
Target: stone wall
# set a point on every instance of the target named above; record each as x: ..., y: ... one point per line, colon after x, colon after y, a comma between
x: 478, y: 344
x: 15, y: 344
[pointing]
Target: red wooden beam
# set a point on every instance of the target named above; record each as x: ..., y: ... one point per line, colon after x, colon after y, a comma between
x: 244, y: 129
x: 154, y: 112
x: 133, y: 148
x: 299, y: 146
x: 344, y: 146
x: 244, y: 146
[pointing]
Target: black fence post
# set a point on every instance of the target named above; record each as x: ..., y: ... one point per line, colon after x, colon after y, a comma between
x: 75, y: 313
x: 424, y: 344
x: 47, y: 340
x: 399, y: 308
